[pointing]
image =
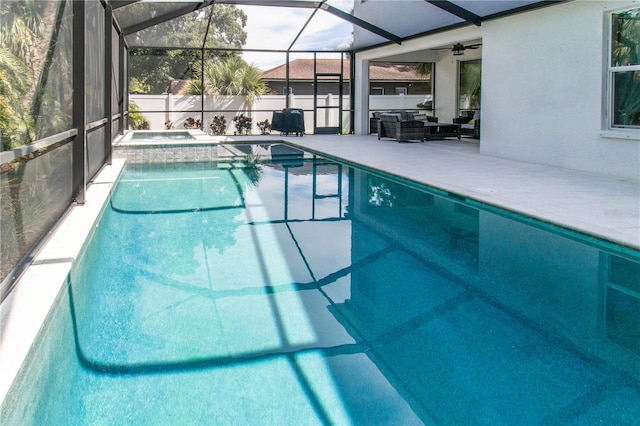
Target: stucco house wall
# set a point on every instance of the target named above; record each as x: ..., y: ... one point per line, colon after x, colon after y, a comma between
x: 543, y: 90
x: 543, y: 86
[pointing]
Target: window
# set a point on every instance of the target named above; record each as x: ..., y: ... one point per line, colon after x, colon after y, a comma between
x: 377, y: 90
x: 624, y: 70
x: 469, y: 79
x: 401, y: 90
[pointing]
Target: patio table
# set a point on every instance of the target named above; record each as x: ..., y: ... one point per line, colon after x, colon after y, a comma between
x: 441, y: 130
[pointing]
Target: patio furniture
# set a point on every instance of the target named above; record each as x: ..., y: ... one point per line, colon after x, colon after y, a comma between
x: 404, y: 130
x: 469, y: 125
x: 441, y: 131
x: 425, y: 118
x: 404, y: 115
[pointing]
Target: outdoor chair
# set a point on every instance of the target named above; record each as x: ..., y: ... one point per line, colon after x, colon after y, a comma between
x: 393, y: 126
x: 469, y: 125
x: 425, y: 118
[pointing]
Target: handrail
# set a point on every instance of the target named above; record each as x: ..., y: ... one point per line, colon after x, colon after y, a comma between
x: 8, y: 156
x: 95, y: 124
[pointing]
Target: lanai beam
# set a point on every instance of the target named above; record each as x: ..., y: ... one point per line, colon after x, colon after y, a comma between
x: 167, y: 17
x: 456, y: 10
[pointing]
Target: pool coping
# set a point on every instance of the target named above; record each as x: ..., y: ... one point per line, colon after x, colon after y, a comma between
x: 26, y: 307
x: 199, y: 138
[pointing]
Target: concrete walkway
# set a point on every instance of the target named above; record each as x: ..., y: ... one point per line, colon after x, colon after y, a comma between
x: 590, y: 203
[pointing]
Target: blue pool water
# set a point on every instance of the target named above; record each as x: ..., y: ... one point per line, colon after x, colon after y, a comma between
x: 161, y: 136
x: 308, y: 292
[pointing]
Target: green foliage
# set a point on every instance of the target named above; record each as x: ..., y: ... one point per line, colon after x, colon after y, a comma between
x: 243, y: 124
x: 264, y: 126
x: 35, y: 82
x: 154, y: 69
x: 193, y: 87
x: 137, y: 86
x: 21, y: 27
x: 218, y: 125
x: 192, y: 123
x: 423, y: 69
x: 231, y: 76
x: 234, y: 77
x: 16, y: 125
x: 470, y: 79
x: 137, y: 121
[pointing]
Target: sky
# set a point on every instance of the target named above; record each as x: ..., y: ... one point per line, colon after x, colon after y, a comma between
x: 277, y: 27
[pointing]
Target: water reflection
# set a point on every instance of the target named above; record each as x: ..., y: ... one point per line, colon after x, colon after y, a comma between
x: 367, y: 300
x: 452, y: 300
x: 442, y: 298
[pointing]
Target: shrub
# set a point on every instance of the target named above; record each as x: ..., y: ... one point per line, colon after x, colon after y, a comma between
x: 192, y: 123
x: 218, y: 125
x: 137, y: 121
x: 265, y: 127
x: 243, y: 124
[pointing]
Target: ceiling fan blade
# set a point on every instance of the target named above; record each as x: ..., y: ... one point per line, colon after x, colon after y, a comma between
x: 458, y: 47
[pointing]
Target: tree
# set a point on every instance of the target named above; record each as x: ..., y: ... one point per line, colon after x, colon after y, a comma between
x: 21, y: 27
x: 156, y: 68
x: 15, y: 124
x: 470, y: 79
x: 234, y: 77
x: 423, y: 69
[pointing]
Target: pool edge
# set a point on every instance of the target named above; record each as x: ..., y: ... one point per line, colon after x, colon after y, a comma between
x: 26, y: 307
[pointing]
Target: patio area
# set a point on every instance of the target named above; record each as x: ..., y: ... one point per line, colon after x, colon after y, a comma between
x: 590, y: 203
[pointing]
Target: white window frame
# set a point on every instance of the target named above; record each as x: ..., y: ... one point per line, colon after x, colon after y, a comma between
x: 381, y: 89
x: 401, y: 90
x: 611, y: 128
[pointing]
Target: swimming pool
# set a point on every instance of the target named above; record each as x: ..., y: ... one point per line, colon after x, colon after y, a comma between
x: 306, y: 291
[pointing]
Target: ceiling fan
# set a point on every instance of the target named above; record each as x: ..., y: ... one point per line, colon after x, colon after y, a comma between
x: 459, y: 48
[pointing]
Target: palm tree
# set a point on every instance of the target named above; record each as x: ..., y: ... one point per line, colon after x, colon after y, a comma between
x: 423, y: 69
x: 234, y: 77
x: 21, y: 29
x: 230, y: 77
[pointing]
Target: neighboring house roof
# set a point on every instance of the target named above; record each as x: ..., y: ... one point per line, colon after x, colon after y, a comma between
x: 302, y: 69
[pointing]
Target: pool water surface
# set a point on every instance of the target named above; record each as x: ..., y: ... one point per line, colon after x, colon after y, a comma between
x: 161, y: 136
x: 305, y: 291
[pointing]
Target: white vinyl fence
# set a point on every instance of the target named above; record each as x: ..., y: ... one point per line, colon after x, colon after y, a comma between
x: 159, y: 109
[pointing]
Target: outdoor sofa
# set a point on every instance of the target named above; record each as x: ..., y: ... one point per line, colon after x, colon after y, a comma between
x: 404, y: 130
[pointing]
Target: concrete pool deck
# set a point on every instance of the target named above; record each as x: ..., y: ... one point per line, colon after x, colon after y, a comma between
x: 590, y: 203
